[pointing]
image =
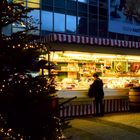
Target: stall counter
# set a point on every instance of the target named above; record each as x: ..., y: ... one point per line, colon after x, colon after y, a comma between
x: 82, y: 93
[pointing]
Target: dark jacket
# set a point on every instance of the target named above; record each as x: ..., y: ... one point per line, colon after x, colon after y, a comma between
x: 97, y: 89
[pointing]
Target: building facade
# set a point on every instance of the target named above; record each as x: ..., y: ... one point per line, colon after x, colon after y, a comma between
x: 79, y: 17
x: 87, y: 36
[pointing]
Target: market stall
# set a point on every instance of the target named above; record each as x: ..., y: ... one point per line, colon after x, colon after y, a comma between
x: 74, y: 70
x: 73, y: 75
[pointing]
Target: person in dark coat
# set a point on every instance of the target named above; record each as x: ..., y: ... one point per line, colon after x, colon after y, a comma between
x: 97, y: 89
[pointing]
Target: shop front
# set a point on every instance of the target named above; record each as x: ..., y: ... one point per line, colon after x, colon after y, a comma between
x: 75, y: 69
x: 77, y: 57
x: 118, y: 67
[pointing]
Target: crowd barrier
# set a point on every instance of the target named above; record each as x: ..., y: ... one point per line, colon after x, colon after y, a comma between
x: 83, y: 106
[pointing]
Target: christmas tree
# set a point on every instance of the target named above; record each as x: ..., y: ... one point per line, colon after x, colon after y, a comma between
x: 29, y: 108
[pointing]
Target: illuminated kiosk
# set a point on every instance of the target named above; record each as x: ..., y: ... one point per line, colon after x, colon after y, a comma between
x: 74, y: 75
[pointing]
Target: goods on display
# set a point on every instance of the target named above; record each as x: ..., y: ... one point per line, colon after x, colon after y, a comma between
x: 74, y: 70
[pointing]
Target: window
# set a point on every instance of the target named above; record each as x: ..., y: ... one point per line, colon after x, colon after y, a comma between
x: 82, y: 25
x: 103, y: 28
x: 6, y: 30
x: 103, y: 12
x: 34, y: 19
x: 47, y: 2
x: 33, y: 3
x: 83, y: 1
x: 59, y: 26
x: 92, y: 9
x: 92, y: 25
x: 70, y: 24
x: 59, y: 3
x: 18, y: 1
x: 47, y: 20
x: 71, y: 7
x: 82, y: 7
x: 93, y: 2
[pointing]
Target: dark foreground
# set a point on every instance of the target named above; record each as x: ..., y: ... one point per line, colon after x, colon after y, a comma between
x: 114, y: 126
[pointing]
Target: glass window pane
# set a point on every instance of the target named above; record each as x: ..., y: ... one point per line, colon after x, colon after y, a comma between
x: 83, y: 1
x: 82, y: 25
x: 17, y: 29
x: 103, y: 28
x: 59, y: 3
x: 70, y: 24
x: 33, y: 5
x: 92, y: 9
x: 47, y: 20
x: 47, y: 2
x: 59, y: 22
x: 59, y: 10
x: 103, y: 12
x: 82, y: 7
x: 93, y: 2
x: 34, y: 19
x: 19, y: 1
x: 34, y: 1
x: 71, y: 12
x: 30, y: 3
x: 92, y: 26
x: 71, y: 5
x: 47, y: 8
x: 7, y: 30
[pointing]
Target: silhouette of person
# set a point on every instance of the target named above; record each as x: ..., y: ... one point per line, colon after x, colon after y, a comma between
x: 97, y: 89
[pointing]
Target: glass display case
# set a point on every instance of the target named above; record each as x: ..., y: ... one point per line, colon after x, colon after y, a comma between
x: 74, y: 70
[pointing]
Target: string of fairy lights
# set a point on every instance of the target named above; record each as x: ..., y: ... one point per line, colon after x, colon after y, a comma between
x: 35, y: 44
x: 22, y: 79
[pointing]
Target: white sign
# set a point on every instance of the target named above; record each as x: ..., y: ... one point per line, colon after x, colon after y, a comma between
x: 124, y: 16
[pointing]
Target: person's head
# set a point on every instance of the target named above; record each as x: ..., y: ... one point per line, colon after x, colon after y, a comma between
x: 95, y: 75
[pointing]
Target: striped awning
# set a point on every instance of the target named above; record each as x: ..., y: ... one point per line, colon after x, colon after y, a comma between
x: 65, y: 38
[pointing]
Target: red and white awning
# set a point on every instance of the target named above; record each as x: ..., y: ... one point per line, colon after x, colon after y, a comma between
x: 64, y: 38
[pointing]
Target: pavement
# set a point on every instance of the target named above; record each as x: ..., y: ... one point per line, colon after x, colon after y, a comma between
x: 112, y: 126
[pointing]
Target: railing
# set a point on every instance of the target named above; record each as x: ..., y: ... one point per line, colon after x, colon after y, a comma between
x: 83, y: 107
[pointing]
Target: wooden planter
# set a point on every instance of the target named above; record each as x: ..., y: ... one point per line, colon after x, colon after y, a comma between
x: 134, y: 99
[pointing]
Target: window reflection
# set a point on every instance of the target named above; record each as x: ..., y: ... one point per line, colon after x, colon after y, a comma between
x: 34, y: 19
x: 34, y: 1
x: 6, y: 30
x: 33, y: 5
x: 103, y: 28
x: 19, y: 1
x: 71, y: 6
x: 59, y: 22
x: 82, y: 25
x: 17, y: 30
x: 83, y: 1
x: 92, y: 26
x: 93, y: 2
x: 47, y: 2
x: 70, y: 24
x: 92, y: 9
x: 82, y: 7
x: 59, y: 3
x: 46, y: 21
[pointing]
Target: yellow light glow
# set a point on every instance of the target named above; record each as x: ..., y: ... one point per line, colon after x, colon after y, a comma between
x: 30, y: 3
x: 84, y: 56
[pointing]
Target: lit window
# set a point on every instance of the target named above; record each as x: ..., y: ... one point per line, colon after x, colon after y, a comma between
x: 33, y: 5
